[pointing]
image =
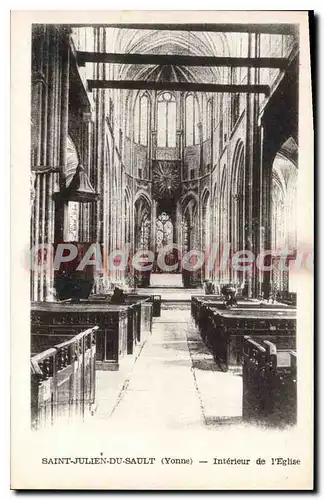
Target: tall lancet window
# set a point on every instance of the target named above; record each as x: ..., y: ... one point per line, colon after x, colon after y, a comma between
x: 166, y: 120
x: 136, y: 120
x: 143, y: 123
x: 209, y: 119
x: 141, y: 119
x: 192, y: 120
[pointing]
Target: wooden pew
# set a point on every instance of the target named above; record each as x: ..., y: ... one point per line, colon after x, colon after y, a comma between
x: 269, y: 383
x: 228, y: 328
x: 146, y: 304
x: 200, y: 303
x: 116, y: 334
x: 63, y: 380
x: 223, y: 329
x: 224, y: 334
x: 143, y: 320
x: 121, y: 327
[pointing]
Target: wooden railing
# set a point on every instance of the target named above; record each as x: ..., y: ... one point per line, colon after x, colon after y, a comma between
x: 63, y: 380
x: 269, y: 383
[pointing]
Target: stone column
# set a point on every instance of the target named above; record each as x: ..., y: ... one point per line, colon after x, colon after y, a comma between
x: 48, y: 180
x: 179, y: 144
x: 153, y: 143
x: 201, y: 154
x: 269, y: 148
x: 61, y: 209
x: 38, y: 87
x: 252, y: 167
x: 257, y: 178
x: 179, y: 238
x: 153, y: 225
x: 86, y: 161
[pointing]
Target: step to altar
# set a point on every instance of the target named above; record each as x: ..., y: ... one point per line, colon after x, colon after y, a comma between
x: 172, y: 295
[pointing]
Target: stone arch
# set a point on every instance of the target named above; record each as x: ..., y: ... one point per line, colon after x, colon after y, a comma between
x: 135, y: 117
x: 143, y: 194
x: 189, y: 194
x: 189, y: 206
x: 283, y: 208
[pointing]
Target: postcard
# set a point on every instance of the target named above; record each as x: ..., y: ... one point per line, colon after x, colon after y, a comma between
x: 162, y: 251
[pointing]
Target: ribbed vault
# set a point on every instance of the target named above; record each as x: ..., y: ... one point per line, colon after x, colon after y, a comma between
x: 174, y: 43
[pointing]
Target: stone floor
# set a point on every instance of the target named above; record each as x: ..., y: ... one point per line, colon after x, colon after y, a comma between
x: 173, y: 383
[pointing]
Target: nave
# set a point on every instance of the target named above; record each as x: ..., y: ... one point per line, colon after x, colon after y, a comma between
x: 164, y: 166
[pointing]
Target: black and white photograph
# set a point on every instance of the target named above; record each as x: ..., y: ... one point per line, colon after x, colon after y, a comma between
x: 167, y: 250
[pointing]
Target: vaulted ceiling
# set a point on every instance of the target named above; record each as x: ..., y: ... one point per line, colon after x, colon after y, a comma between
x: 171, y: 43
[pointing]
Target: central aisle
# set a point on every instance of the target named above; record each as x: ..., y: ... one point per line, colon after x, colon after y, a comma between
x: 171, y: 404
x: 174, y: 383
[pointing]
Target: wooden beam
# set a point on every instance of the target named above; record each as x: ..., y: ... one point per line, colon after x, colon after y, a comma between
x: 270, y: 29
x: 176, y: 86
x: 181, y: 60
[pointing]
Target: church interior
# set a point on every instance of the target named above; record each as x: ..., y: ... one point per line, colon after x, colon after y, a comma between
x: 177, y: 145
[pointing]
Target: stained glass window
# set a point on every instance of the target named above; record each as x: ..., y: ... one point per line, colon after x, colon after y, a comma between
x: 192, y: 120
x: 209, y: 119
x: 141, y: 120
x: 164, y: 230
x: 136, y: 120
x: 145, y: 234
x: 166, y: 120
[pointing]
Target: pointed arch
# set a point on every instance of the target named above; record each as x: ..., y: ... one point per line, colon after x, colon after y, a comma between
x: 189, y: 208
x: 208, y: 118
x: 283, y: 207
x: 166, y: 119
x: 142, y: 207
x: 140, y: 117
x: 143, y: 195
x: 192, y: 119
x: 190, y: 194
